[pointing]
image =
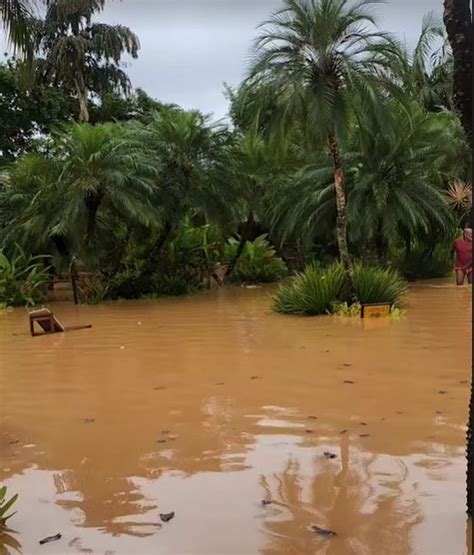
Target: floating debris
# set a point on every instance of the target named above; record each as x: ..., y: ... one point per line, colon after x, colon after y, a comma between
x: 364, y: 435
x: 159, y: 388
x: 14, y: 442
x: 220, y: 383
x: 308, y: 431
x: 343, y: 432
x: 166, y: 517
x: 347, y: 364
x: 323, y: 532
x: 363, y: 423
x: 348, y: 381
x: 50, y: 539
x: 254, y: 377
x: 312, y: 417
x: 329, y: 455
x: 266, y: 502
x: 442, y: 392
x: 88, y: 420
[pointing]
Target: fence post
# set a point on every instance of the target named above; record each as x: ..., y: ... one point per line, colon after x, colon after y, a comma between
x: 73, y: 274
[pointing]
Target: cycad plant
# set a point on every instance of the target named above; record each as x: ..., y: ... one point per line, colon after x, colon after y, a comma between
x: 322, y: 59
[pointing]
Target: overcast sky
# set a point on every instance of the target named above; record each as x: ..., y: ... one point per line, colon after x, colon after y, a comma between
x: 189, y: 48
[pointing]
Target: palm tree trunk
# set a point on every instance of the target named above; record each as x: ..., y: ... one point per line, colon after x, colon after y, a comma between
x: 235, y: 258
x: 247, y: 228
x: 160, y: 243
x: 470, y: 454
x: 458, y: 22
x: 82, y: 96
x: 341, y: 223
x: 92, y: 205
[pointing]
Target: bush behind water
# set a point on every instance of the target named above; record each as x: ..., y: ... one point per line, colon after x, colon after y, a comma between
x: 258, y: 262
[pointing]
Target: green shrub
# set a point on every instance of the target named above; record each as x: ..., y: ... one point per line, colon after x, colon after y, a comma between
x: 23, y: 279
x: 373, y: 284
x: 258, y: 262
x: 130, y: 283
x: 422, y: 263
x: 5, y: 506
x: 312, y: 292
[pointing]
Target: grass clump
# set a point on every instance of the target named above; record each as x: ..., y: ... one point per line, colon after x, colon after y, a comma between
x: 318, y: 290
x: 312, y: 292
x: 373, y: 284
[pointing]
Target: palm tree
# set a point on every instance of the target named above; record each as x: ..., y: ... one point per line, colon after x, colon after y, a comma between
x: 425, y: 74
x: 458, y: 20
x: 92, y: 172
x: 16, y: 18
x: 189, y: 149
x: 82, y: 56
x: 395, y: 176
x: 321, y: 57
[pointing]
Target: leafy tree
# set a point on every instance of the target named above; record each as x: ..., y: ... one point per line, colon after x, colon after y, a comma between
x: 321, y: 57
x: 27, y: 113
x: 81, y: 56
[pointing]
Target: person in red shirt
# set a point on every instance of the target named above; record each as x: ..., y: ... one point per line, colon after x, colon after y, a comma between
x: 463, y: 249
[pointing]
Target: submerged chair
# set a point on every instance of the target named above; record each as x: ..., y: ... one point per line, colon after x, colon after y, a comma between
x: 46, y: 320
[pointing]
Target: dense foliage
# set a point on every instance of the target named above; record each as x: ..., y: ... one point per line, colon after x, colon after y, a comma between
x: 355, y: 154
x: 23, y: 279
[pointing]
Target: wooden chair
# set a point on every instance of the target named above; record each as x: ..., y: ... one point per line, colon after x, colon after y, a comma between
x: 46, y: 320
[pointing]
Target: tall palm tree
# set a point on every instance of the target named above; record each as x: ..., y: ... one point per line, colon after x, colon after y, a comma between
x: 395, y: 175
x: 80, y: 55
x: 458, y: 20
x: 425, y: 74
x: 16, y: 16
x: 322, y: 57
x: 457, y: 17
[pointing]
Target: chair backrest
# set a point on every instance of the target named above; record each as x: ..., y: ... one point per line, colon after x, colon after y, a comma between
x: 40, y: 312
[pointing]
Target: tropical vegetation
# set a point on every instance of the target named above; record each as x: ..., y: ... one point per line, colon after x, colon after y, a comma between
x: 343, y: 149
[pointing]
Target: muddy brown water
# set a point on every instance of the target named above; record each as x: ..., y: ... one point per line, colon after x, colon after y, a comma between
x: 209, y: 404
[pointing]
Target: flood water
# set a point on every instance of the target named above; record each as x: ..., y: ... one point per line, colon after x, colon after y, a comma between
x: 209, y: 404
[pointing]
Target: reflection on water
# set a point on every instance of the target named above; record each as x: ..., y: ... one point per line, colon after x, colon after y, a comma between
x: 209, y: 404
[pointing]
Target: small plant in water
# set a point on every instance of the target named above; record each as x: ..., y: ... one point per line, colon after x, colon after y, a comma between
x: 345, y: 309
x: 5, y: 506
